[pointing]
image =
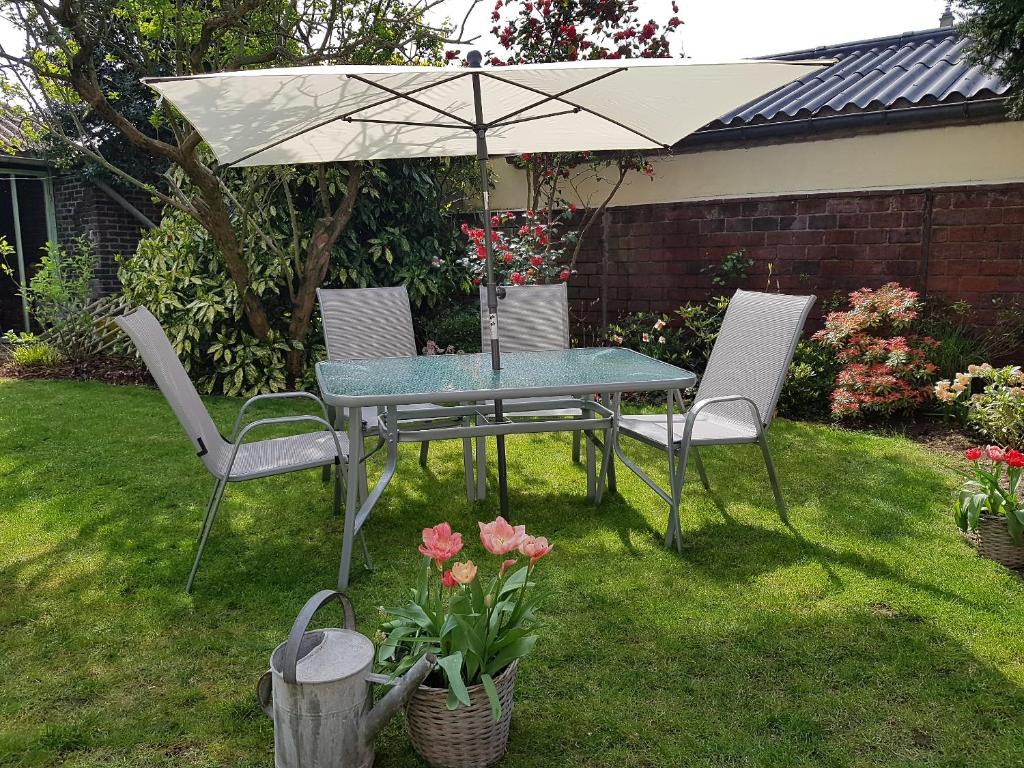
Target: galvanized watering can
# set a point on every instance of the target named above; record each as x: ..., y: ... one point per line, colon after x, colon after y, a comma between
x: 318, y: 693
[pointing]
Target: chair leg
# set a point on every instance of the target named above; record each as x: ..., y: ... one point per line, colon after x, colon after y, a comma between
x: 700, y: 470
x: 325, y: 473
x: 467, y: 466
x: 204, y: 535
x: 481, y: 468
x: 368, y: 562
x: 424, y: 450
x: 338, y: 483
x: 576, y: 437
x: 677, y: 479
x: 773, y: 479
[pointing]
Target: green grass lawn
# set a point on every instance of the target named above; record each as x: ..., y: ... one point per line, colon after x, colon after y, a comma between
x: 866, y: 634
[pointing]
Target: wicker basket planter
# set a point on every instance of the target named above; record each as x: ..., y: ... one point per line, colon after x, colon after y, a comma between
x: 992, y: 540
x: 467, y: 737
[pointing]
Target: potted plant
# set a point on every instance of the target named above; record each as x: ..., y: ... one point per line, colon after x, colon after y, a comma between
x: 478, y: 631
x: 988, y: 505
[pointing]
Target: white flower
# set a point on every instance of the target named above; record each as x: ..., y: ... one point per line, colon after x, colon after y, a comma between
x: 645, y: 338
x: 661, y: 339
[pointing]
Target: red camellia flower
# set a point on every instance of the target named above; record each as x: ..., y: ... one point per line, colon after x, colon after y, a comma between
x: 508, y: 257
x: 972, y: 454
x: 996, y: 453
x: 1015, y: 458
x: 536, y: 261
x: 517, y: 278
x: 564, y: 275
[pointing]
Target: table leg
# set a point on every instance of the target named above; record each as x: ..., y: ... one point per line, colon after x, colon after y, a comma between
x: 355, y: 469
x: 591, y: 461
x: 502, y: 469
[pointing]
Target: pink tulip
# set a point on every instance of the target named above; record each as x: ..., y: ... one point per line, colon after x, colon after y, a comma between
x: 995, y: 453
x: 464, y: 573
x: 506, y: 565
x: 448, y: 580
x: 500, y: 538
x: 440, y: 544
x: 535, y: 547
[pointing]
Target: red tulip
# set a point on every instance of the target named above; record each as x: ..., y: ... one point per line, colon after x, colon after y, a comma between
x: 972, y: 454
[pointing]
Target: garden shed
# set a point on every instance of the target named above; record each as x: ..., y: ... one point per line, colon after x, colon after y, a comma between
x: 897, y: 163
x: 39, y: 203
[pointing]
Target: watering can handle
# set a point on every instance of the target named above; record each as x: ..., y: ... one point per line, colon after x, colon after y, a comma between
x: 265, y: 693
x: 314, y: 604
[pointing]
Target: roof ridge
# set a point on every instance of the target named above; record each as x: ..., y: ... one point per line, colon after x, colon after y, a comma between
x: 903, y: 38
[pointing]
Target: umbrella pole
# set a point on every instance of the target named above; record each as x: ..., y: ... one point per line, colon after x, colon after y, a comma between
x: 475, y: 59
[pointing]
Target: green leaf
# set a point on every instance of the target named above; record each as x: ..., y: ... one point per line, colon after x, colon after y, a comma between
x: 492, y: 695
x: 414, y: 613
x: 452, y: 666
x: 516, y: 650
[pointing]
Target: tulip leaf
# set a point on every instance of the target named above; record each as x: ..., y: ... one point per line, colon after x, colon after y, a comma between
x: 452, y: 666
x: 515, y: 581
x: 510, y: 653
x: 413, y: 613
x: 492, y: 695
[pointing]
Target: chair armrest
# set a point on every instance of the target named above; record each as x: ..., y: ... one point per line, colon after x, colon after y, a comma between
x: 237, y: 443
x: 691, y: 415
x: 274, y: 396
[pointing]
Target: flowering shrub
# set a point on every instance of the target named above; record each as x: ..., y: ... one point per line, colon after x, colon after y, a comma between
x: 997, y: 412
x: 884, y: 371
x: 987, y: 494
x: 683, y: 338
x: 530, y: 253
x: 474, y: 631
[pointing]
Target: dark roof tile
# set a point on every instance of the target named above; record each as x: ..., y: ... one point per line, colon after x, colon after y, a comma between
x: 915, y: 69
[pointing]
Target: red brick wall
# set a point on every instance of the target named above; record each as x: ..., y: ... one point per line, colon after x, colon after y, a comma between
x: 954, y: 243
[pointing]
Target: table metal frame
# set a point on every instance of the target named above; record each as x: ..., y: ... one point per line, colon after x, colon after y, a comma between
x: 598, y: 413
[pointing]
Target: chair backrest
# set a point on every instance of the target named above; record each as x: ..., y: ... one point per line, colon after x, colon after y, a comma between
x: 361, y: 323
x: 753, y: 351
x: 172, y: 379
x: 531, y: 318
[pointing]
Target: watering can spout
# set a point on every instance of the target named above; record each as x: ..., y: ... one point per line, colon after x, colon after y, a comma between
x: 385, y: 709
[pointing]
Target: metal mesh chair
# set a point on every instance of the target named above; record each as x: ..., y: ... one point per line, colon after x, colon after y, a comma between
x: 737, y: 396
x: 367, y: 323
x: 531, y: 318
x: 234, y: 459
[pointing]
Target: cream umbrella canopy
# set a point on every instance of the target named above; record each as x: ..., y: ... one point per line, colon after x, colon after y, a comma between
x: 338, y: 113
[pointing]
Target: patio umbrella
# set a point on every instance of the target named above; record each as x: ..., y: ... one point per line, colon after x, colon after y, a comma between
x: 339, y: 113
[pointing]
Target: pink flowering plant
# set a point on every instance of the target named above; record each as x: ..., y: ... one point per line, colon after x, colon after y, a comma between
x: 476, y: 627
x: 885, y: 369
x: 527, y: 250
x: 993, y: 490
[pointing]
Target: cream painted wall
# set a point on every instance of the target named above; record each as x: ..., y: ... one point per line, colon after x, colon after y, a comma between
x: 989, y: 153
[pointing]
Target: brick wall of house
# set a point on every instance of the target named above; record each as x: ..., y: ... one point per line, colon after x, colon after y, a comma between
x: 83, y: 208
x: 965, y: 243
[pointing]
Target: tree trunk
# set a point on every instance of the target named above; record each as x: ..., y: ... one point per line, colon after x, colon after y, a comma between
x: 217, y: 221
x: 314, y: 270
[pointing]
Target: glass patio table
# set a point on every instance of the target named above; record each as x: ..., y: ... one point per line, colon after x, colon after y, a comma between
x: 466, y: 382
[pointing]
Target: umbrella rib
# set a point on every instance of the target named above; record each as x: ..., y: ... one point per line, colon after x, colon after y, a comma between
x: 408, y: 97
x: 396, y: 95
x: 572, y: 111
x: 403, y: 122
x: 551, y: 97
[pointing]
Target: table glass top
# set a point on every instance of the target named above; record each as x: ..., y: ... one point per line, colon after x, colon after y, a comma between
x: 454, y: 378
